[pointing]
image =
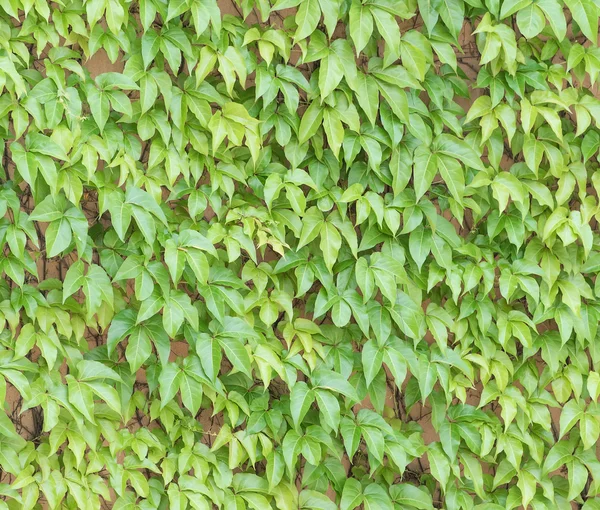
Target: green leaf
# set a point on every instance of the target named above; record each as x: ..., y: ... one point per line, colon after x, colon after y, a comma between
x: 99, y: 106
x: 329, y: 407
x: 330, y: 244
x: 138, y: 348
x: 555, y: 15
x: 571, y: 413
x: 177, y: 8
x: 333, y: 381
x: 81, y: 397
x: 531, y: 21
x: 315, y: 501
x: 41, y: 144
x: 375, y: 496
x: 361, y: 25
x: 301, y: 398
x: 307, y: 18
x: 236, y: 353
x: 452, y: 173
x: 419, y: 244
x: 90, y: 370
x: 458, y: 149
x: 439, y: 464
x: 351, y: 494
x: 331, y: 72
x: 585, y: 13
x: 310, y: 123
x: 372, y: 359
x: 169, y: 382
x: 388, y: 28
x: 58, y: 237
x: 577, y: 478
x: 590, y: 430
x: 452, y: 13
x: 425, y: 169
x: 406, y: 494
x: 473, y: 472
x: 510, y: 7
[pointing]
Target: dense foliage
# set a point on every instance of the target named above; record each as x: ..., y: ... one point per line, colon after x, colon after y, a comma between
x: 317, y: 254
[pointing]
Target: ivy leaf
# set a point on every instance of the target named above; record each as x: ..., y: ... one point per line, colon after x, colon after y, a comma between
x: 301, y: 398
x: 372, y: 358
x: 556, y: 17
x: 425, y: 169
x: 58, y: 237
x: 388, y: 28
x: 452, y: 14
x: 459, y: 149
x: 138, y: 348
x: 419, y: 244
x: 333, y: 381
x: 351, y: 494
x: 41, y: 144
x: 331, y: 241
x: 586, y: 15
x: 570, y: 415
x: 237, y: 354
x: 329, y: 408
x: 307, y: 19
x: 452, y: 173
x: 510, y: 7
x: 331, y: 73
x: 312, y: 499
x: 311, y: 121
x: 406, y: 494
x: 81, y: 397
x: 169, y: 382
x: 361, y: 25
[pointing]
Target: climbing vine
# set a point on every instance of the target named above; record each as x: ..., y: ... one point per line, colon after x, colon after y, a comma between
x: 309, y: 254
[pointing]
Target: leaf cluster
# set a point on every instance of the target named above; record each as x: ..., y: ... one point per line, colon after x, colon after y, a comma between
x: 301, y: 254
